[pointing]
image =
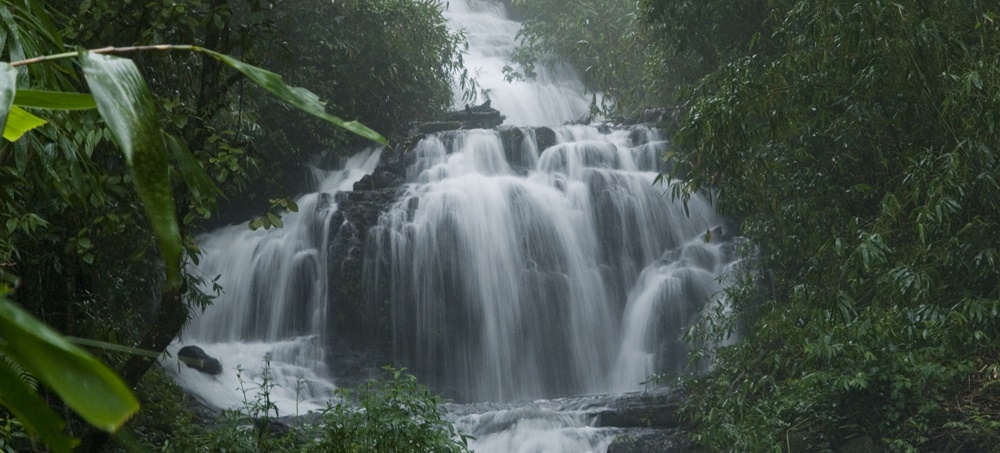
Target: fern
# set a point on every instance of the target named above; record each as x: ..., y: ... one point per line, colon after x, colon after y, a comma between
x: 18, y: 370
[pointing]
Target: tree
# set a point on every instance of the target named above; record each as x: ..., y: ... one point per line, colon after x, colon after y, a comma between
x: 858, y: 152
x: 604, y: 39
x: 125, y: 104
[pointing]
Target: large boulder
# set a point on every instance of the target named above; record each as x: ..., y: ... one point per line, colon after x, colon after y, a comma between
x: 195, y: 357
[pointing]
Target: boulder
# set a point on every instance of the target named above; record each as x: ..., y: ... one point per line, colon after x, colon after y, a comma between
x: 195, y: 357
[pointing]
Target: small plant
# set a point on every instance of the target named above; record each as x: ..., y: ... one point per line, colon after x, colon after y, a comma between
x: 11, y: 434
x: 393, y: 414
x: 654, y: 380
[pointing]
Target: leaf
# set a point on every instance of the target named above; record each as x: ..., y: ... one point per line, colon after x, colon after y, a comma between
x: 31, y: 410
x: 127, y: 107
x: 193, y: 173
x: 87, y: 386
x: 300, y: 98
x: 8, y: 86
x: 19, y: 121
x: 54, y: 100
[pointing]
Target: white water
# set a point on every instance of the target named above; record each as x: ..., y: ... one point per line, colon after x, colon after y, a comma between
x: 555, y: 97
x: 566, y: 273
x: 274, y: 302
x: 534, y: 426
x: 560, y: 282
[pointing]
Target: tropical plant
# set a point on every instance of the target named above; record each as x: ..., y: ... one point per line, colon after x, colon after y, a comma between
x: 120, y: 94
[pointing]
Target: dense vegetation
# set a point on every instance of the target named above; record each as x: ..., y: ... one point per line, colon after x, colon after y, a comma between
x: 77, y: 249
x: 861, y: 161
x: 856, y: 145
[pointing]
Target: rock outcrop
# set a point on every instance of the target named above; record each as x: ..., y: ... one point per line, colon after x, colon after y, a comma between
x: 195, y: 357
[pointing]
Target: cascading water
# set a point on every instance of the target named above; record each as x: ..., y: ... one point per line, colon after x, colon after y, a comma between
x: 274, y: 302
x: 517, y: 264
x: 555, y: 97
x: 507, y: 286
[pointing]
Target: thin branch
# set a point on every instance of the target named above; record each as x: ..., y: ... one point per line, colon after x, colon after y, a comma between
x: 103, y: 50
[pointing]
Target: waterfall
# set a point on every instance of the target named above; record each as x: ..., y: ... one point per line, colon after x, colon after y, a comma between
x: 514, y: 264
x: 555, y: 97
x: 274, y: 302
x: 508, y: 284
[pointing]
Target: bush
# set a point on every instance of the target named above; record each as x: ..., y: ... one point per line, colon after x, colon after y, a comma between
x: 395, y: 414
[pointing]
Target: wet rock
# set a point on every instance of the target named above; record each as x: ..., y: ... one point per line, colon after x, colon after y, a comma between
x: 195, y: 357
x: 477, y: 117
x: 655, y: 409
x: 545, y: 137
x: 437, y: 126
x: 513, y: 149
x: 653, y: 440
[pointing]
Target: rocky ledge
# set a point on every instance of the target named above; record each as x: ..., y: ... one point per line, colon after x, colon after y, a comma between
x: 649, y: 420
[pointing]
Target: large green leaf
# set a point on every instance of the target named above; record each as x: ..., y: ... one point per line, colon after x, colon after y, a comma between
x: 87, y: 386
x: 195, y: 176
x: 125, y: 103
x: 8, y: 88
x: 20, y: 121
x: 32, y: 411
x: 54, y: 100
x: 301, y: 98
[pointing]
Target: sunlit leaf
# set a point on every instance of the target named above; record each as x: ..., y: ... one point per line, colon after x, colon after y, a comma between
x: 127, y: 107
x: 300, y: 98
x: 31, y: 410
x: 19, y: 121
x: 87, y: 386
x: 54, y: 100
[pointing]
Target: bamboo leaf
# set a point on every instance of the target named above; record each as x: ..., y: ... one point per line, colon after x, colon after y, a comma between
x: 125, y: 103
x: 300, y: 98
x: 194, y: 174
x: 19, y: 121
x: 8, y: 88
x: 54, y: 100
x: 87, y: 386
x: 31, y: 410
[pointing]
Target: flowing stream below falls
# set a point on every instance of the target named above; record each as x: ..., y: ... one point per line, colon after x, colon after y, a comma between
x: 522, y: 272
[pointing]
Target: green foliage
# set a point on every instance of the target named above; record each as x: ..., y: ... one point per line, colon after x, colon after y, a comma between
x: 391, y: 414
x: 85, y: 384
x: 88, y: 387
x: 394, y: 414
x: 638, y: 54
x: 386, y: 62
x: 605, y: 39
x: 693, y: 38
x: 858, y: 150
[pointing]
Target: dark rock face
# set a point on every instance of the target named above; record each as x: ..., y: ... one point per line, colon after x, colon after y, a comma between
x: 545, y: 138
x: 196, y: 358
x: 653, y: 409
x: 477, y: 117
x: 472, y: 117
x: 359, y: 211
x: 652, y: 440
x: 650, y: 421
